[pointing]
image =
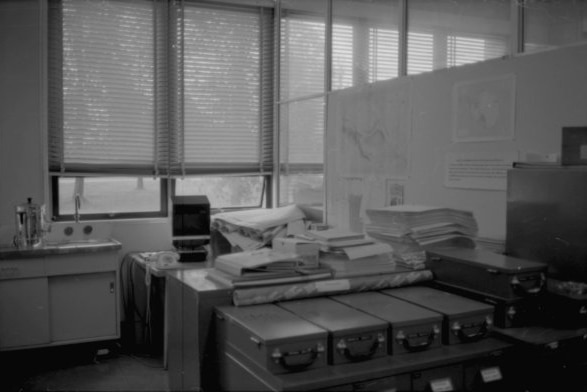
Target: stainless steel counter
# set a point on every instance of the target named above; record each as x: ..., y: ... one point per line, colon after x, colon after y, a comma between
x: 60, y: 248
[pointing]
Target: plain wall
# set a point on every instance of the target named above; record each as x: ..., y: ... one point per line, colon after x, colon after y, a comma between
x: 551, y: 93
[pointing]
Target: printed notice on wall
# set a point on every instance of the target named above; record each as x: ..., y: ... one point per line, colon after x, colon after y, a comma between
x: 479, y: 170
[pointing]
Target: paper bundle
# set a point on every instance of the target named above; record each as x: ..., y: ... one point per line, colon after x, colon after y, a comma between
x: 410, y: 229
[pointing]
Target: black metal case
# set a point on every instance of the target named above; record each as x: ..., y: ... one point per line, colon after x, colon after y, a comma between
x: 465, y: 320
x: 353, y: 335
x: 487, y: 272
x: 508, y: 313
x: 411, y: 327
x: 273, y: 338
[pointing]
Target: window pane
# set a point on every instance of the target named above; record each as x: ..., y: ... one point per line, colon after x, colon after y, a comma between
x: 109, y: 195
x: 303, y: 33
x: 302, y: 132
x: 105, y: 68
x: 225, y: 192
x: 225, y: 93
x: 364, y: 41
x: 307, y: 189
x: 552, y: 23
x: 447, y: 33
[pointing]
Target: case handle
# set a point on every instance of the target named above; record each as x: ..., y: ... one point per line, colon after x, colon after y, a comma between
x: 414, y: 342
x: 297, y: 360
x: 372, y: 343
x: 478, y: 330
x: 521, y: 290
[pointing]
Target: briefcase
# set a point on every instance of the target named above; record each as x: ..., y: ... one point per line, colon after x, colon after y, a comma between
x: 411, y: 327
x: 508, y: 313
x: 487, y: 272
x: 353, y: 335
x: 271, y: 337
x: 465, y: 320
x: 566, y: 304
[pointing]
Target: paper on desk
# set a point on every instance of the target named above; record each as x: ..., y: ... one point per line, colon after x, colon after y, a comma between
x: 261, y: 218
x: 242, y: 241
x: 357, y: 252
x: 296, y: 227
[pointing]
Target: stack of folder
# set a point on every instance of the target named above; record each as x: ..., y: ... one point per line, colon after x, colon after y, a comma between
x: 411, y: 229
x: 263, y: 267
x: 351, y: 254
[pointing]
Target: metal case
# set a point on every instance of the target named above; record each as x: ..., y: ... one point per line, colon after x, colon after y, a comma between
x: 465, y: 320
x: 273, y: 338
x: 487, y: 272
x: 508, y: 312
x: 411, y: 327
x: 353, y: 335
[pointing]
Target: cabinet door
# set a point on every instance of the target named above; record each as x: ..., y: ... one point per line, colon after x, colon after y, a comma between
x: 83, y: 307
x: 24, y: 312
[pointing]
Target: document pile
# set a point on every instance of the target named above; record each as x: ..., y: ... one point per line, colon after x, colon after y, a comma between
x: 256, y: 228
x: 261, y: 267
x: 410, y: 229
x: 351, y: 254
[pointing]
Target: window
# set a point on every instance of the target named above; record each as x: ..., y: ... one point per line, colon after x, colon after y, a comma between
x: 302, y: 95
x: 550, y: 23
x: 365, y: 41
x: 109, y: 197
x: 225, y: 192
x: 448, y: 33
x: 157, y: 89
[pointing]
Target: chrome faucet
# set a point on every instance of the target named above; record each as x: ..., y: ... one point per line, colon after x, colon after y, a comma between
x: 78, y: 204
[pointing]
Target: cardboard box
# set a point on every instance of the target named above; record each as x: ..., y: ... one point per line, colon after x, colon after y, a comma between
x: 308, y: 250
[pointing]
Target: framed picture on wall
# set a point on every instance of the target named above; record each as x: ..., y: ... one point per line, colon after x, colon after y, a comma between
x: 484, y: 110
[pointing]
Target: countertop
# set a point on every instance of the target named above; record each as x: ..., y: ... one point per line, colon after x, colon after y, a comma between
x: 60, y: 248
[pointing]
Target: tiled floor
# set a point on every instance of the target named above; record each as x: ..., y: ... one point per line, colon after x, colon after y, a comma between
x: 79, y: 368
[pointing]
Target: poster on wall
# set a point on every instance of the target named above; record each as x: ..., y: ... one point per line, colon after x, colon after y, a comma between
x: 484, y: 110
x: 368, y: 129
x: 479, y: 170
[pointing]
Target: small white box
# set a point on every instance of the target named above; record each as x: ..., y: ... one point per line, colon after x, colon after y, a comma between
x: 307, y: 249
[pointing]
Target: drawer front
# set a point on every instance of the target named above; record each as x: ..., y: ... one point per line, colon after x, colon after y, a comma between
x: 442, y: 379
x: 22, y: 268
x: 81, y: 263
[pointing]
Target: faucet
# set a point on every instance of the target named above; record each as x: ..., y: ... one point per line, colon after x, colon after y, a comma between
x: 78, y: 204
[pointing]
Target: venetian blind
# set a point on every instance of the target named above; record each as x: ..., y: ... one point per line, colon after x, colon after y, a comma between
x: 227, y: 70
x: 160, y: 87
x: 102, y: 86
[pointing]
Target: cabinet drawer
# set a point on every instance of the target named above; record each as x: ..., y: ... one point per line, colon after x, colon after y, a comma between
x: 81, y: 263
x: 22, y: 268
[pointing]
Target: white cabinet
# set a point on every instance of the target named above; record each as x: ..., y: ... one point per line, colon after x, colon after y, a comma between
x: 83, y: 306
x: 59, y: 299
x: 24, y: 311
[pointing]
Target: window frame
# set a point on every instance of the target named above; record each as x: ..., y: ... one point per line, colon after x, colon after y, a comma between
x: 56, y: 216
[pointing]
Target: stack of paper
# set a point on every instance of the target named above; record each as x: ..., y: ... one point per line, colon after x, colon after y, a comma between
x: 361, y: 260
x: 336, y: 239
x: 410, y: 229
x: 350, y: 253
x: 262, y: 267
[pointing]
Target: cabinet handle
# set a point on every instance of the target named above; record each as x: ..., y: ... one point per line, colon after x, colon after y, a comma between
x: 111, y: 287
